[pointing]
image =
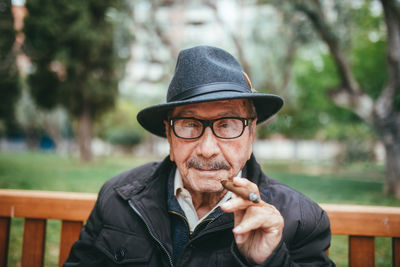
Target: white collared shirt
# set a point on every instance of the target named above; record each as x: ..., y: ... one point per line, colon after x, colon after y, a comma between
x: 185, y: 201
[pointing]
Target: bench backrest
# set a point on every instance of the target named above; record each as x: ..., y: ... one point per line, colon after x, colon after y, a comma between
x: 360, y: 223
x: 37, y: 207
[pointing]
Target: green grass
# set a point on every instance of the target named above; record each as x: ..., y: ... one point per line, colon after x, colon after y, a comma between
x: 324, y: 183
x: 48, y: 171
x: 357, y: 184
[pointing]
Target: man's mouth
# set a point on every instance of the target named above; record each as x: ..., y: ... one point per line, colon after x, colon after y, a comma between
x: 207, y: 170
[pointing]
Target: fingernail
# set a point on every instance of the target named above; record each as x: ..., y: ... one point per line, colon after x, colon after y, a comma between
x: 240, y: 180
x: 237, y: 229
x: 226, y: 205
x: 274, y: 231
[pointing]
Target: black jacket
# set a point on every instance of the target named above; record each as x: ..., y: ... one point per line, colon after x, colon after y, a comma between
x: 130, y: 226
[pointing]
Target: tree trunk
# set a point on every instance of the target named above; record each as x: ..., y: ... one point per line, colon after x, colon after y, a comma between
x: 392, y: 185
x: 85, y: 135
x: 54, y: 132
x: 390, y: 136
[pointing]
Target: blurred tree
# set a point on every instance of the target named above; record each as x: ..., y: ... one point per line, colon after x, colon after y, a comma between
x: 119, y: 126
x: 9, y: 80
x: 368, y: 87
x: 78, y: 58
x: 36, y: 123
x: 234, y: 36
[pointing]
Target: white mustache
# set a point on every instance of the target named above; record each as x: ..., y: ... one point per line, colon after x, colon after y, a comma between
x: 212, y: 165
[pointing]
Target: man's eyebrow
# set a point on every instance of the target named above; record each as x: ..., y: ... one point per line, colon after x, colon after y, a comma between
x: 188, y: 113
x: 185, y: 113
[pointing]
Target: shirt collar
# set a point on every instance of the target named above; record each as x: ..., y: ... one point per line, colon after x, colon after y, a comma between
x: 186, y: 203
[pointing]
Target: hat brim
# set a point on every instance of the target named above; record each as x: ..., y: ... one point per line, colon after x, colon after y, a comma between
x: 151, y: 118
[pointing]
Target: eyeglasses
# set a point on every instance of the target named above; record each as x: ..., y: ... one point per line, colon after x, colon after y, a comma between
x: 225, y: 128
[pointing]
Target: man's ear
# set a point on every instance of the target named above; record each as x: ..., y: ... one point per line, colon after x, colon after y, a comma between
x: 168, y: 134
x: 254, y: 127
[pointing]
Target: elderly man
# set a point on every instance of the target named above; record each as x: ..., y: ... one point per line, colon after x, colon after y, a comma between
x: 177, y: 212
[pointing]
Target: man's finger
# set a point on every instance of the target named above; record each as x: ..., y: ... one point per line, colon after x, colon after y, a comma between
x: 254, y: 218
x: 241, y: 238
x: 235, y: 204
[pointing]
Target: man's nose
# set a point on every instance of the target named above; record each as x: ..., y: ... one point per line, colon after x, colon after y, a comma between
x: 208, y: 144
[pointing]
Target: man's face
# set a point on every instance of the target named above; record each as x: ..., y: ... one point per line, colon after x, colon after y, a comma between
x: 196, y: 159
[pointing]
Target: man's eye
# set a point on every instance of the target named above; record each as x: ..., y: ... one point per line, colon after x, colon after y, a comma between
x: 223, y: 124
x: 191, y: 124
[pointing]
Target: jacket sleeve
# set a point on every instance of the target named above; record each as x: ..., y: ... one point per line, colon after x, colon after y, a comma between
x: 83, y: 252
x: 307, y: 247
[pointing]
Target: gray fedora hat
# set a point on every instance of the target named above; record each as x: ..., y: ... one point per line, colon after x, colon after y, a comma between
x: 204, y: 74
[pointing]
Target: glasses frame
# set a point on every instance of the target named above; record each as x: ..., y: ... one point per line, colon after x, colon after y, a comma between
x: 209, y: 123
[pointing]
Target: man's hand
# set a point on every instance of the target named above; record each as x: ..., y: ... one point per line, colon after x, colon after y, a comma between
x: 258, y: 227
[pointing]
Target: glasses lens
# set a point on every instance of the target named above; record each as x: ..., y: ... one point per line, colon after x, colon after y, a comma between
x: 228, y: 127
x: 188, y: 128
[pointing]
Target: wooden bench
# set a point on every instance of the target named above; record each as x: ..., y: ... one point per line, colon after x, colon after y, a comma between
x: 361, y: 223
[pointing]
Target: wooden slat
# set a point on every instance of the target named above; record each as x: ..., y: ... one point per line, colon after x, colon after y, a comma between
x: 361, y: 251
x: 364, y: 220
x: 46, y: 204
x: 396, y: 251
x: 33, y: 243
x: 70, y: 231
x: 345, y: 219
x: 4, y: 240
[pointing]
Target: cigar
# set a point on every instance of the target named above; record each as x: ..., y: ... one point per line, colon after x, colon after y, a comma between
x: 241, y: 191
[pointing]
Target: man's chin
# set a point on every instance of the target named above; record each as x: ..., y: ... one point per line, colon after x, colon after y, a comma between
x: 213, y: 187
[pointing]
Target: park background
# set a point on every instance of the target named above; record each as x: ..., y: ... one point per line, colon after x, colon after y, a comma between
x: 74, y: 74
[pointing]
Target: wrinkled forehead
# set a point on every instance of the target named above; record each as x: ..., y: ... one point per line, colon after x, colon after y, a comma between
x: 213, y: 109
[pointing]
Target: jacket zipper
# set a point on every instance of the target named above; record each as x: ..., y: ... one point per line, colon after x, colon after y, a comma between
x: 187, y: 223
x: 151, y: 232
x: 203, y: 221
x: 222, y: 227
x: 185, y: 219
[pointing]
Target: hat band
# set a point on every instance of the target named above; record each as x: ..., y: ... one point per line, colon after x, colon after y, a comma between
x: 207, y: 89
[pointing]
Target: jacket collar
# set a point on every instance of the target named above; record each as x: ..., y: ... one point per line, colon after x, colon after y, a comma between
x: 156, y: 178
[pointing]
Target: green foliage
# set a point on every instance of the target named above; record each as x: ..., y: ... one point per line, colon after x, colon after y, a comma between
x: 310, y: 112
x: 358, y: 142
x: 9, y: 79
x: 314, y: 80
x: 369, y: 66
x: 123, y: 136
x: 75, y: 57
x: 43, y: 80
x: 368, y: 51
x: 6, y: 28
